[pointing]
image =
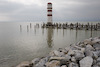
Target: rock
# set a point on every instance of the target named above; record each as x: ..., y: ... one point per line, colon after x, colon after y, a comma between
x: 67, y: 57
x: 89, y: 47
x: 96, y: 41
x: 55, y: 53
x: 63, y: 66
x: 83, y: 50
x: 36, y: 60
x: 95, y: 66
x: 98, y: 60
x: 73, y: 59
x: 71, y: 53
x: 87, y: 41
x: 97, y: 53
x: 57, y: 58
x: 25, y: 64
x: 78, y: 54
x: 98, y: 64
x: 86, y: 62
x: 97, y: 46
x: 94, y: 62
x: 95, y: 56
x: 67, y: 49
x: 41, y: 63
x: 73, y: 65
x: 53, y: 63
x: 88, y: 53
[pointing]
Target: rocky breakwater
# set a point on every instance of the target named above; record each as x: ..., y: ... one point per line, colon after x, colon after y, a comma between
x: 82, y: 54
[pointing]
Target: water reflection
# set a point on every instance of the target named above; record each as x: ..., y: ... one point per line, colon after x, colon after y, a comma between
x: 20, y: 28
x: 42, y: 31
x: 49, y: 37
x: 27, y: 28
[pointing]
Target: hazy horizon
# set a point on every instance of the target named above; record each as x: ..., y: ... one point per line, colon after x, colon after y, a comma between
x: 36, y: 10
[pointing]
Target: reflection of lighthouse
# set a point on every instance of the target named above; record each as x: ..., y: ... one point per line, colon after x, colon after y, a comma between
x: 49, y: 37
x: 49, y: 13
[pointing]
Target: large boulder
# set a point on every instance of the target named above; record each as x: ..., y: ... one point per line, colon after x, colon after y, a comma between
x: 86, y: 62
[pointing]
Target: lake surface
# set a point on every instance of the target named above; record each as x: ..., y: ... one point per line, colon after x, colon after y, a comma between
x: 22, y: 44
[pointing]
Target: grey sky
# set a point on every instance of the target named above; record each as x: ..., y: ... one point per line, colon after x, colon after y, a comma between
x: 63, y: 10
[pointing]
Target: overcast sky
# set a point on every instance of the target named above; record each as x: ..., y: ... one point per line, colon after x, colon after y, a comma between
x: 36, y: 10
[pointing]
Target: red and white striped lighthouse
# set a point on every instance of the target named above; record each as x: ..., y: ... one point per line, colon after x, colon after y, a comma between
x: 49, y: 13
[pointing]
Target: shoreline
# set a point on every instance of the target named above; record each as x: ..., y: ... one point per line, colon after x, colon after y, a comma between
x: 82, y: 54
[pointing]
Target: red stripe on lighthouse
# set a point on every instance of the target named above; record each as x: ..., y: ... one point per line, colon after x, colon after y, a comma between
x: 49, y: 10
x: 49, y: 3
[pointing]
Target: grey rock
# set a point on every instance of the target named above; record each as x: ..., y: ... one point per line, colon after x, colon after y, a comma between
x: 57, y: 58
x: 86, y: 62
x: 63, y: 66
x: 67, y: 57
x: 88, y: 53
x: 71, y: 53
x: 97, y: 46
x: 53, y: 63
x: 98, y: 60
x: 98, y: 63
x: 36, y: 60
x: 79, y: 55
x: 89, y: 47
x: 73, y: 65
x: 95, y: 66
x: 41, y: 63
x: 73, y: 59
x: 95, y: 56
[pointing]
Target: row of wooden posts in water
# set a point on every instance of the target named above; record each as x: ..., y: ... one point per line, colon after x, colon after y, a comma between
x: 78, y: 26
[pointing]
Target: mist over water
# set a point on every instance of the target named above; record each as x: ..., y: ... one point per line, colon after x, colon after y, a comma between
x: 20, y: 41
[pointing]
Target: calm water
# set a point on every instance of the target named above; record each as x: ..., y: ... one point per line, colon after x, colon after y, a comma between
x: 17, y: 45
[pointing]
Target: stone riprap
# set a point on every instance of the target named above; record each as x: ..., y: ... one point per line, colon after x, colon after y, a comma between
x: 82, y: 54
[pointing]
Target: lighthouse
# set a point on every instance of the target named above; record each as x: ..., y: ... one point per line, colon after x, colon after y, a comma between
x: 49, y: 14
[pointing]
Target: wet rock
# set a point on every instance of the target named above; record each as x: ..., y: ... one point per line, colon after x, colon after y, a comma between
x: 86, y: 62
x: 73, y: 65
x: 53, y: 63
x: 25, y: 64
